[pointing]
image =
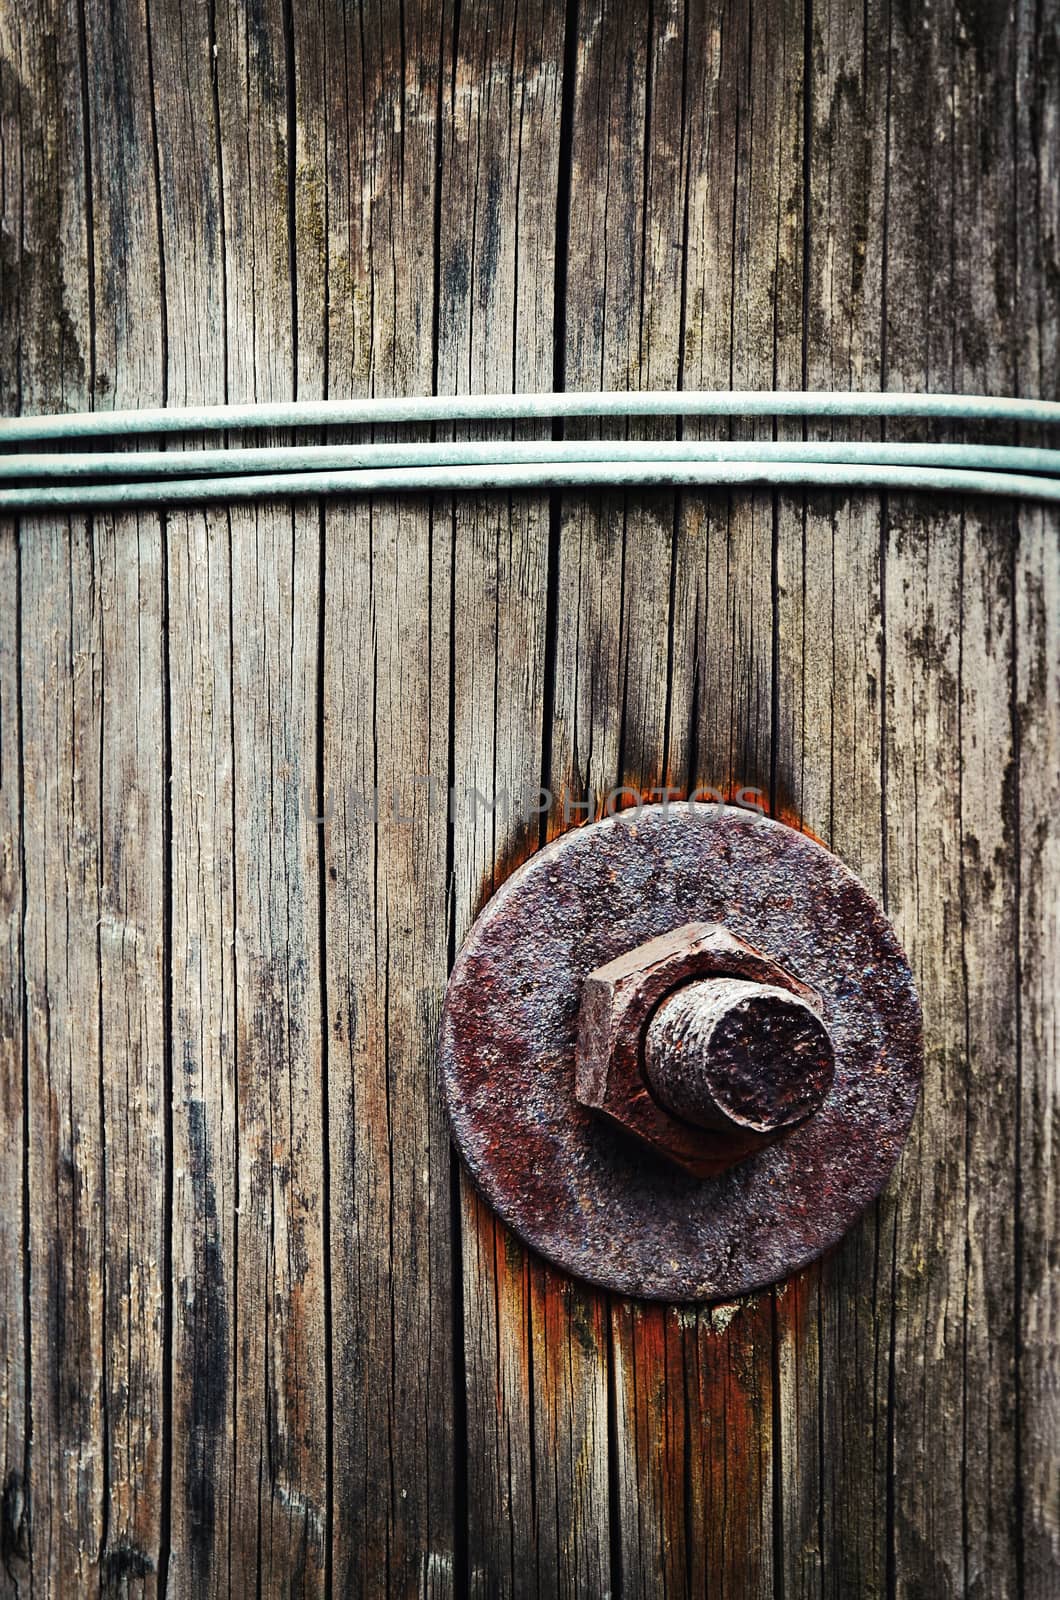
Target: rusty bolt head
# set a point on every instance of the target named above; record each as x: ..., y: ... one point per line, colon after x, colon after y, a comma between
x: 730, y: 1053
x: 702, y: 1047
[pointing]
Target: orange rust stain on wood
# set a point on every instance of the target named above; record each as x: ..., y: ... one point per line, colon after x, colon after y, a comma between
x: 695, y: 1384
x: 525, y: 841
x: 690, y: 1383
x: 542, y: 1309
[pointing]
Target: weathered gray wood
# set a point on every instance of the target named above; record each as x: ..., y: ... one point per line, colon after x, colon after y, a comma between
x: 1035, y: 202
x: 614, y: 573
x: 534, y: 1347
x: 66, y: 1225
x: 743, y: 292
x: 14, y: 1397
x: 205, y: 1101
x: 622, y: 328
x: 274, y: 1341
x: 59, y: 1418
x: 127, y: 341
x: 93, y: 1507
x: 1037, y: 1397
x: 743, y: 314
x: 833, y: 1344
x: 128, y: 554
x: 14, y: 1126
x: 385, y: 702
x: 280, y: 1463
x: 203, y: 1558
x: 951, y: 869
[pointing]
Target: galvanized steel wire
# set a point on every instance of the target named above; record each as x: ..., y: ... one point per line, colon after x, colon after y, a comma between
x: 64, y: 480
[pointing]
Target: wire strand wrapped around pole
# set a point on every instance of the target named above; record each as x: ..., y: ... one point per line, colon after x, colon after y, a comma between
x: 122, y: 464
x: 530, y: 476
x: 443, y: 409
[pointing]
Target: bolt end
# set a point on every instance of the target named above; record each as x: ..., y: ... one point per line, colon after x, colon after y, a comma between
x: 724, y: 1053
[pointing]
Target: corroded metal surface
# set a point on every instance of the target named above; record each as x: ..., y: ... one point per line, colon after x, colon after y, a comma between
x: 578, y: 1188
x: 725, y: 1053
x: 619, y: 1001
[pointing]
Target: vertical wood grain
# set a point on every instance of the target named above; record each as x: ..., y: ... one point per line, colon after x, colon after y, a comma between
x: 59, y: 1521
x: 1037, y: 598
x: 68, y: 1481
x: 743, y: 291
x: 1036, y: 721
x: 128, y: 344
x: 609, y: 710
x: 621, y: 329
x: 279, y: 1395
x: 534, y: 1346
x: 833, y: 1366
x: 370, y: 151
x: 743, y: 294
x: 257, y: 1334
x: 201, y: 823
x: 951, y: 865
x: 92, y: 1508
x: 14, y: 1396
x: 128, y: 576
x: 14, y: 1125
x: 205, y: 1100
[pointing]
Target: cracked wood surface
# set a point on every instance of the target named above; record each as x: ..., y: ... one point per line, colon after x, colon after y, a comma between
x: 257, y: 1333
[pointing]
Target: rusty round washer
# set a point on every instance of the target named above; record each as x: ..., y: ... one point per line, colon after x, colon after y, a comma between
x: 580, y: 1191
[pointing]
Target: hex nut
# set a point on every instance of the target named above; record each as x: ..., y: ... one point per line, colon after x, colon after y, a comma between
x: 617, y: 1003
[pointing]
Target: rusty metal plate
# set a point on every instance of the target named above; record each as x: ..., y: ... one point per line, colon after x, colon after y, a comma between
x: 581, y: 1191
